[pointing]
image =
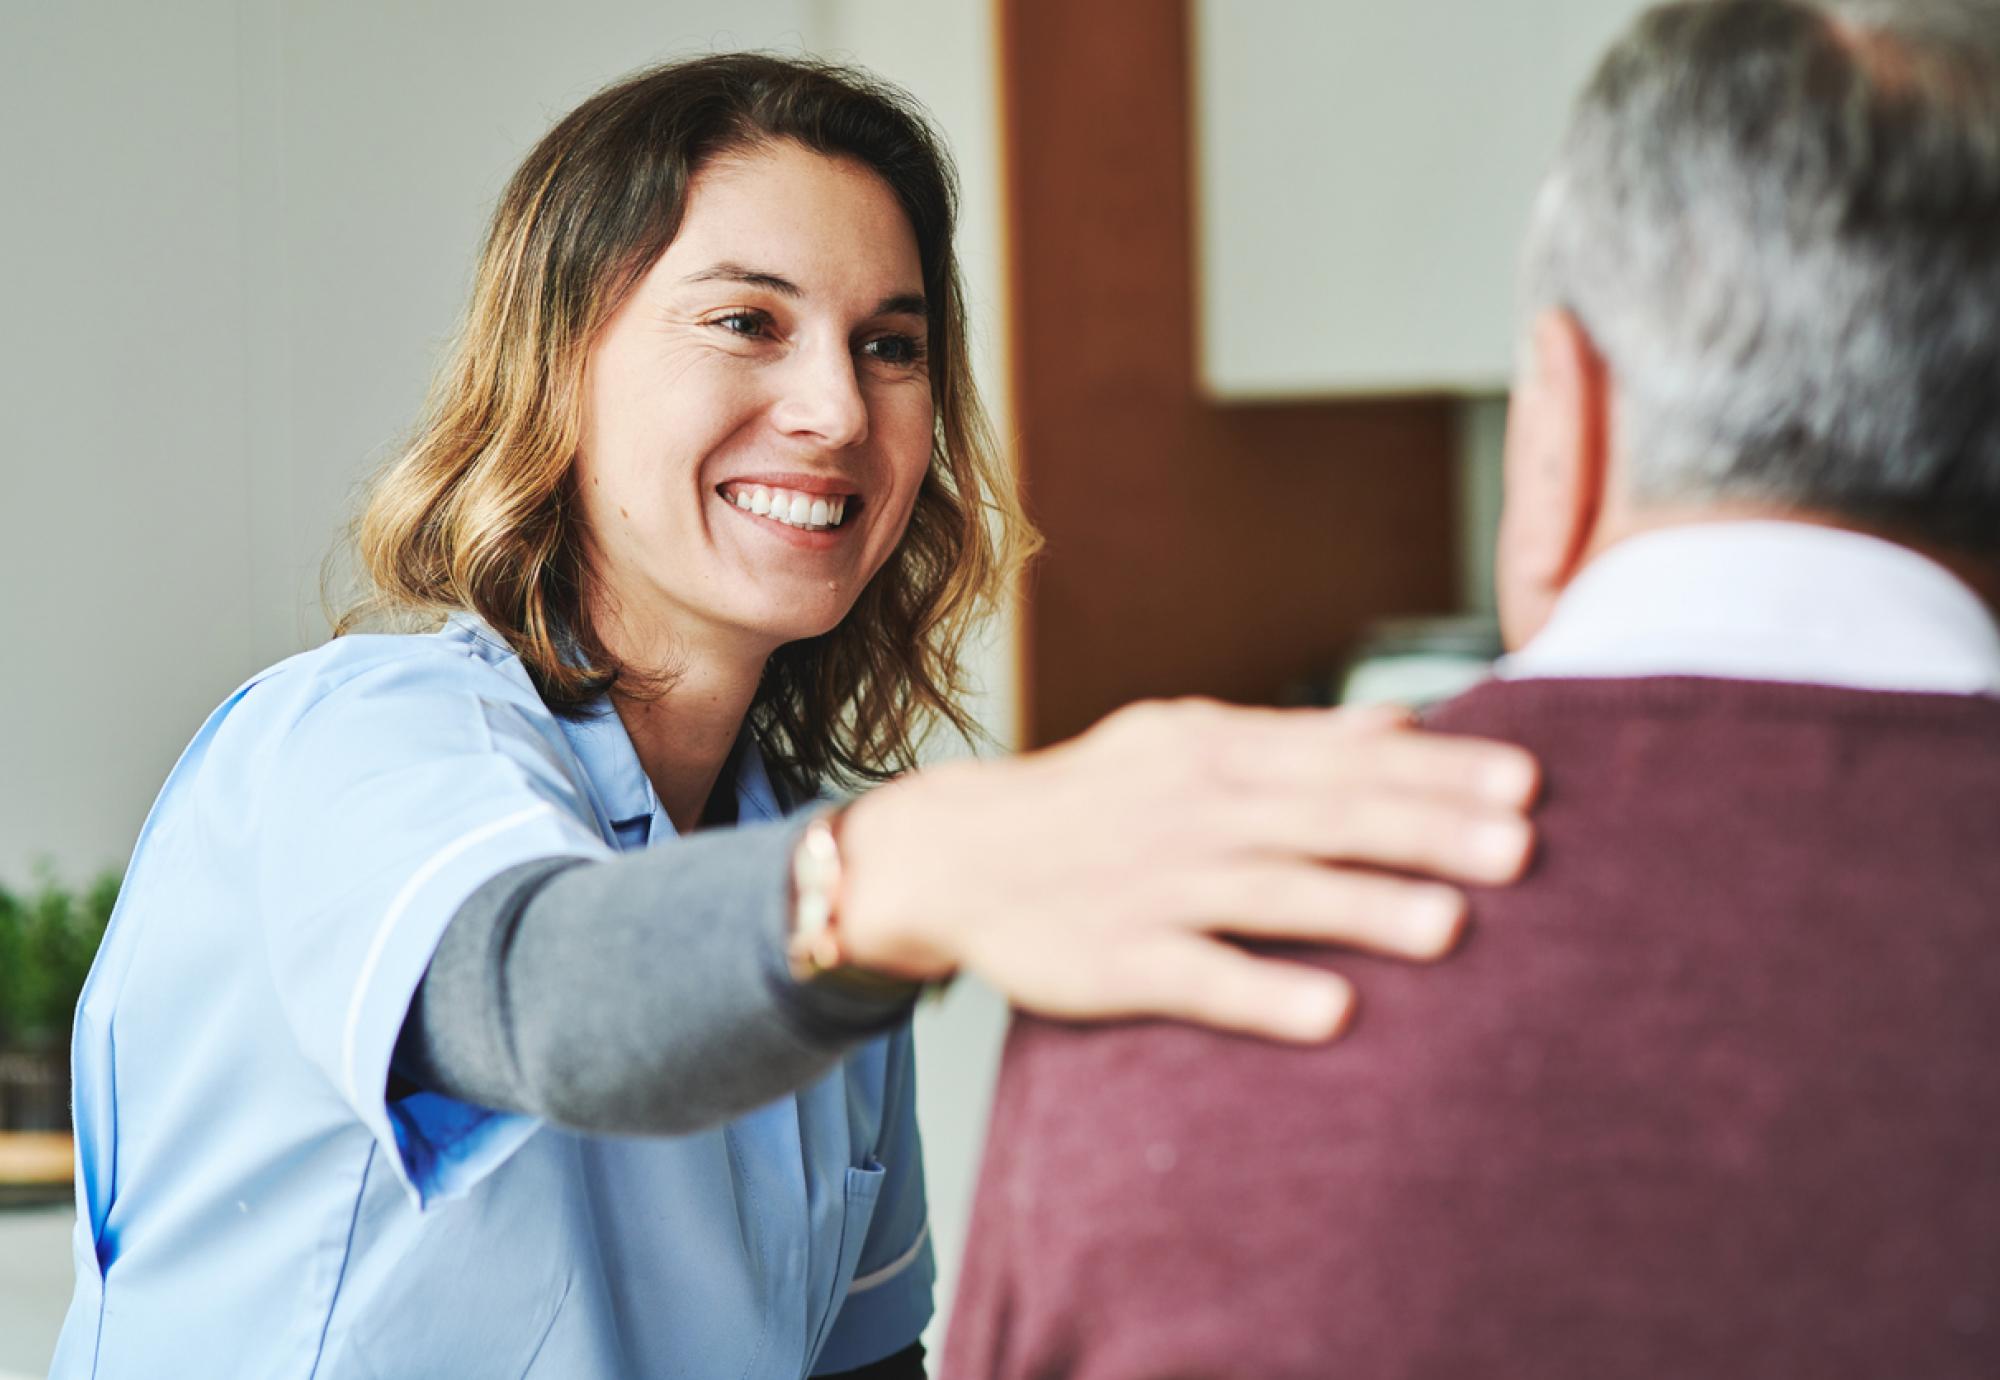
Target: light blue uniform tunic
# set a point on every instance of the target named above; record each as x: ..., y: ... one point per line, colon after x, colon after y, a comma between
x: 249, y: 1201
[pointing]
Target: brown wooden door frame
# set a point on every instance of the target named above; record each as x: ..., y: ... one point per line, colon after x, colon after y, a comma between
x: 1193, y: 548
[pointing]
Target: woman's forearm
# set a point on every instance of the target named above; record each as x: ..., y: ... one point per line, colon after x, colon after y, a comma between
x: 644, y: 994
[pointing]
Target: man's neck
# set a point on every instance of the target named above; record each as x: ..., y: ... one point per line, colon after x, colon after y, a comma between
x: 1980, y: 574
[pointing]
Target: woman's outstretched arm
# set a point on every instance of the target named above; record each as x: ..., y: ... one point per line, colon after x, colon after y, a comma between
x: 644, y: 994
x: 1096, y: 879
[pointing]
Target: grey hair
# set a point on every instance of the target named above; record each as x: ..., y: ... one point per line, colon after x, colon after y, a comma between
x: 1779, y: 222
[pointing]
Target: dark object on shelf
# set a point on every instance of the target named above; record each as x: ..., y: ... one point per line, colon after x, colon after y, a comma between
x: 1413, y: 661
x: 35, y: 1150
x: 34, y: 1088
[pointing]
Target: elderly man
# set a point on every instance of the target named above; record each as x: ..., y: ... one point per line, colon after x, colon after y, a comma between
x: 1716, y: 1092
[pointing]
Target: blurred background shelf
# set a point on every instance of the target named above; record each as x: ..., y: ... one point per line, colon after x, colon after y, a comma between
x: 34, y: 1167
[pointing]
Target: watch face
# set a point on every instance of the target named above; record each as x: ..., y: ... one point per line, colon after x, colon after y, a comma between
x: 815, y: 884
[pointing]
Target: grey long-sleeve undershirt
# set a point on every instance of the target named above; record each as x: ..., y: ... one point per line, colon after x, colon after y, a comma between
x: 642, y: 994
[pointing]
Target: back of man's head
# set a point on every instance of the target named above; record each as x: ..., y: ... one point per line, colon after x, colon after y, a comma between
x: 1777, y: 225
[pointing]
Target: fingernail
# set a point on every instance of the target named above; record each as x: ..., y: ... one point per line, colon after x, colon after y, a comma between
x: 1510, y: 779
x: 1501, y: 847
x: 1320, y: 1012
x: 1439, y: 917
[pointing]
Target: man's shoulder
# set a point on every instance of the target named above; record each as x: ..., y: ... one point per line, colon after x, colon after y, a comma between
x: 1709, y: 762
x: 1535, y: 711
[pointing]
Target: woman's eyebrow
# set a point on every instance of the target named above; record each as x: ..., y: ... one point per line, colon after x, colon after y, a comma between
x: 895, y: 304
x: 737, y: 273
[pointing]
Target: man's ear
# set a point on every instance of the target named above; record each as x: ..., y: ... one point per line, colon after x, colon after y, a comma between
x: 1558, y: 457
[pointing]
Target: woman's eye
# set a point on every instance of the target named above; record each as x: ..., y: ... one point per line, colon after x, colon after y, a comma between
x: 895, y: 349
x: 752, y: 325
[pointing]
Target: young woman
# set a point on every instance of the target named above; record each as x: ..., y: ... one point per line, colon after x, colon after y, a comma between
x: 431, y: 1038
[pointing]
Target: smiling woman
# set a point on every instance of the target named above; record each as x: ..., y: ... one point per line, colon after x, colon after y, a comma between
x: 668, y: 270
x: 431, y: 1038
x: 777, y: 345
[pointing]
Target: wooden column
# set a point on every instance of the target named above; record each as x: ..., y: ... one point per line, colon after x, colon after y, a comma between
x: 1193, y: 548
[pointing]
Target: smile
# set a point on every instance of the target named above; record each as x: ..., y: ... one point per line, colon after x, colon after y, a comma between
x: 808, y: 512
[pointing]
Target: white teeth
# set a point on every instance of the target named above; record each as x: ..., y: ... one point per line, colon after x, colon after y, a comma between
x: 790, y: 507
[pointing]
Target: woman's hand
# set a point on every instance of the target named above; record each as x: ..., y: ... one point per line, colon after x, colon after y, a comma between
x: 1089, y: 880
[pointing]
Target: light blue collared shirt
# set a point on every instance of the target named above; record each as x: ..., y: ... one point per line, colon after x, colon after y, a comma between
x: 249, y: 1201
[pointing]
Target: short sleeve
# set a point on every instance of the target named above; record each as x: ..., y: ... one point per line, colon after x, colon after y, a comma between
x: 889, y: 1302
x: 387, y: 801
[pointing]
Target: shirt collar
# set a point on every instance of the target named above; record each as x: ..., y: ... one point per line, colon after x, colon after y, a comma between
x: 1777, y: 601
x: 756, y: 798
x: 598, y: 738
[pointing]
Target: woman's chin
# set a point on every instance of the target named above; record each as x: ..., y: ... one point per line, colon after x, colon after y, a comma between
x: 791, y: 606
x: 796, y: 623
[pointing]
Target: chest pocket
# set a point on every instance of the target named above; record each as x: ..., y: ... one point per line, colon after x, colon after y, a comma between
x: 863, y: 1189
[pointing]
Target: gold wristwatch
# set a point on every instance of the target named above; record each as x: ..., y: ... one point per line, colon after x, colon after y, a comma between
x: 812, y: 951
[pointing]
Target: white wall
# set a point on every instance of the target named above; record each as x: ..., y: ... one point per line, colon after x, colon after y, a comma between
x: 126, y: 597
x: 1365, y: 172
x: 236, y: 234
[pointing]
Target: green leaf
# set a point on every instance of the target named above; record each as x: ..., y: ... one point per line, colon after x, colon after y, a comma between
x: 48, y: 939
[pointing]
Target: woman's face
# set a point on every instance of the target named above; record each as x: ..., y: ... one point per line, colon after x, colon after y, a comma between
x: 758, y: 414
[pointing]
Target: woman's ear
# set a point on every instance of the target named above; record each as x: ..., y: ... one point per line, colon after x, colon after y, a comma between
x: 1557, y: 456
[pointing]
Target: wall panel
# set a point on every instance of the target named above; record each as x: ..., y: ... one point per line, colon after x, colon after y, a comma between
x: 1193, y: 548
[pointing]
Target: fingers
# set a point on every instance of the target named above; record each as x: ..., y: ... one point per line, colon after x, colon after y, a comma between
x: 1335, y: 786
x: 1342, y: 749
x: 1364, y: 748
x: 1483, y: 772
x: 1411, y: 833
x: 1193, y: 978
x: 1393, y: 916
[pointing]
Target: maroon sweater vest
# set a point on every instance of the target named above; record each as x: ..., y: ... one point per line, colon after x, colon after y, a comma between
x: 1715, y: 1092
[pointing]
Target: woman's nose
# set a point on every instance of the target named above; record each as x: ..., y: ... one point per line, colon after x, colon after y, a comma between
x: 822, y: 399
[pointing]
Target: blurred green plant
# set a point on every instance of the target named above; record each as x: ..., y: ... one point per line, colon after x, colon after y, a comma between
x: 48, y: 937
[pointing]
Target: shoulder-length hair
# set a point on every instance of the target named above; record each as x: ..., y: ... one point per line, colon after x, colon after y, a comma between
x: 478, y: 513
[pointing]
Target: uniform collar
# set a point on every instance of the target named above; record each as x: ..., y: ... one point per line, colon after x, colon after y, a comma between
x: 1777, y: 601
x: 598, y: 738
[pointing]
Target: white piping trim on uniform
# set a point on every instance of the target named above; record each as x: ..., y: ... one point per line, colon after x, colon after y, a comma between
x: 894, y: 1267
x: 393, y: 917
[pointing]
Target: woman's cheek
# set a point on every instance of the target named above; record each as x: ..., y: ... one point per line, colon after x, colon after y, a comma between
x: 915, y: 449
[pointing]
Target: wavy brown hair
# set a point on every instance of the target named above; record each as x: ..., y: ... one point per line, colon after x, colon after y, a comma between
x: 478, y: 513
